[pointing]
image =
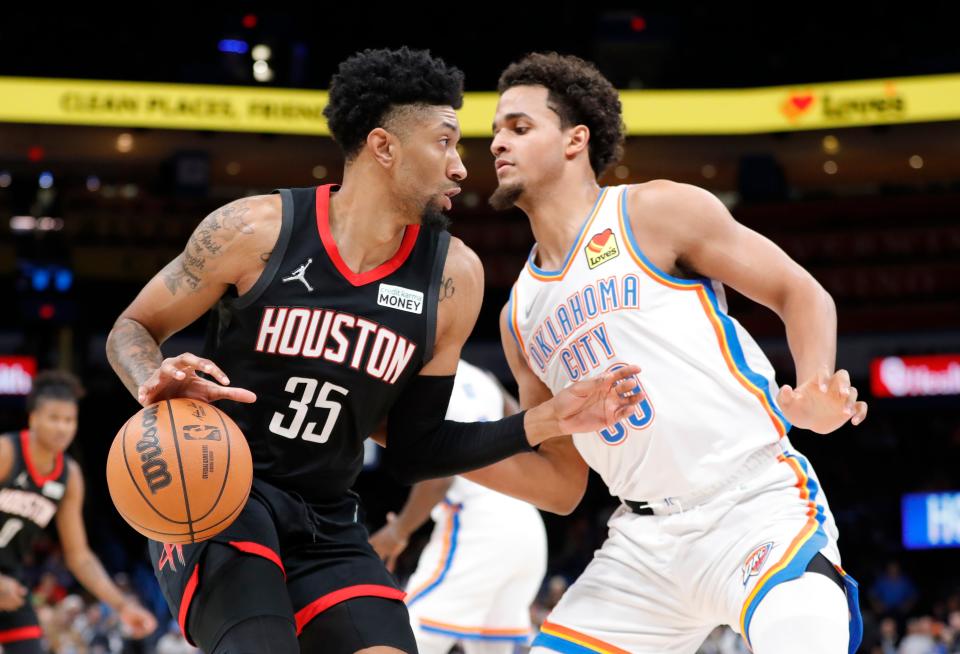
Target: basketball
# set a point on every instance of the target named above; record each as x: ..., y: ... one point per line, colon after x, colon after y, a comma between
x: 179, y: 471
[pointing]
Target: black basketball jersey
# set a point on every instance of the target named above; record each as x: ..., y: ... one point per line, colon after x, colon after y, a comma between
x: 326, y: 350
x: 28, y: 502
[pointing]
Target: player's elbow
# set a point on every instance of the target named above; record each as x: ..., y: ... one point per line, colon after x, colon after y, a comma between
x: 402, y: 470
x: 561, y: 504
x: 804, y: 295
x: 826, y: 300
x: 819, y: 298
x: 566, y: 495
x: 408, y: 467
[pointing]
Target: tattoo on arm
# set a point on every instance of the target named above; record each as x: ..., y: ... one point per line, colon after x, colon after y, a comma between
x: 447, y: 288
x: 133, y: 353
x: 206, y: 243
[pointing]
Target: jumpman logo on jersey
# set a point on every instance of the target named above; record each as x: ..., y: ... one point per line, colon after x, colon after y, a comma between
x: 167, y: 557
x: 299, y: 274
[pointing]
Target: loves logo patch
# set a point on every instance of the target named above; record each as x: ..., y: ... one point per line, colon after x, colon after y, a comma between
x: 602, y: 248
x: 796, y: 105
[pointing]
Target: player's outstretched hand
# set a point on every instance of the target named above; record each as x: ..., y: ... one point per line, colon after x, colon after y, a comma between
x: 177, y: 377
x: 388, y: 542
x: 596, y: 403
x: 822, y: 404
x: 12, y: 593
x: 139, y: 622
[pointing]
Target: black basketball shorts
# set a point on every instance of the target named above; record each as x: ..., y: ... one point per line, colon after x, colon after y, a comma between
x: 321, y: 551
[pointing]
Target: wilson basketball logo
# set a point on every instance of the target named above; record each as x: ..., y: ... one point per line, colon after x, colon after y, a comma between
x: 601, y: 248
x: 755, y: 561
x: 154, y: 466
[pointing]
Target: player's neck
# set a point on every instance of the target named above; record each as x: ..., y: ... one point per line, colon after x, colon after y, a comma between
x: 366, y: 222
x: 43, y: 460
x: 556, y: 214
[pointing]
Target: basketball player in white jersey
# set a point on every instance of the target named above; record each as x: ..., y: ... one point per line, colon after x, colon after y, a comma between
x: 487, y: 555
x: 722, y: 520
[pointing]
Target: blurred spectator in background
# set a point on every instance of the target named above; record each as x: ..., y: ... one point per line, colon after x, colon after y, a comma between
x: 888, y: 637
x: 173, y: 642
x: 48, y: 590
x: 919, y: 638
x: 893, y: 593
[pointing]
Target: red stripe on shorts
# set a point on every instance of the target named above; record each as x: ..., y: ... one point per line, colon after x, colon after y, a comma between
x: 321, y: 604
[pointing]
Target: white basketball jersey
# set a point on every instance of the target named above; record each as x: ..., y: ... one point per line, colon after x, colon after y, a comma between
x: 708, y: 388
x: 476, y: 397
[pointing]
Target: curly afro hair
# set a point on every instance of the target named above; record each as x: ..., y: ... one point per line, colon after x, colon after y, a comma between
x: 580, y: 95
x: 54, y: 385
x: 369, y: 84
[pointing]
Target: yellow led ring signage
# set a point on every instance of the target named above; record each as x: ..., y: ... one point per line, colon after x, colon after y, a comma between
x: 170, y: 106
x: 288, y: 111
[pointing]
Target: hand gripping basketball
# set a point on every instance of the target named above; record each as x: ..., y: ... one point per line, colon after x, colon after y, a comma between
x: 177, y: 377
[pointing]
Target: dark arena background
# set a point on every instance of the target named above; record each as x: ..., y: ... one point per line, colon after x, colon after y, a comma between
x: 834, y: 132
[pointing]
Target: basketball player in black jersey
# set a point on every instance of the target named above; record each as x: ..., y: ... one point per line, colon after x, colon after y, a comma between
x: 335, y: 308
x: 37, y: 483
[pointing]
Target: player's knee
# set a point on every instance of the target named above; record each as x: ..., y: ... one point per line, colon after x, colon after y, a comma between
x: 808, y: 614
x: 268, y: 634
x: 243, y: 603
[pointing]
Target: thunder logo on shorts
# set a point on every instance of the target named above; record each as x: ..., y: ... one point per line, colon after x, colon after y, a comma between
x: 755, y: 561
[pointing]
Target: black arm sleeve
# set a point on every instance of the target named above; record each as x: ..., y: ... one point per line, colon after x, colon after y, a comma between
x: 422, y: 445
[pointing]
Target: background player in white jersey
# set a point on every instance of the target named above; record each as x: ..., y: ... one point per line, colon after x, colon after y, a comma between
x: 722, y: 522
x: 487, y: 555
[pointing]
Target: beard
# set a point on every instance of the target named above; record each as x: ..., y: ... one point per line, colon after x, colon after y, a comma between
x: 435, y: 219
x: 505, y: 196
x: 432, y: 216
x: 430, y: 211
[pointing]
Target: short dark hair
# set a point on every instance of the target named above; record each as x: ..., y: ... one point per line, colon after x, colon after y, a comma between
x: 369, y: 84
x: 580, y: 95
x: 54, y: 385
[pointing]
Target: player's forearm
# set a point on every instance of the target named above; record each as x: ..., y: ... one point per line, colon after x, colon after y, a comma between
x: 421, y: 444
x: 133, y: 353
x: 87, y: 570
x: 423, y: 497
x: 810, y: 317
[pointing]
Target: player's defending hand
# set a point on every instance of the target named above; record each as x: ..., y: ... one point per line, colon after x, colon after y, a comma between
x: 822, y: 404
x: 596, y: 403
x: 177, y: 377
x: 12, y: 593
x: 139, y: 621
x: 388, y: 542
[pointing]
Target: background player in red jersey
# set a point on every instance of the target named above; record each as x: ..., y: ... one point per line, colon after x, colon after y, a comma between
x: 39, y: 482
